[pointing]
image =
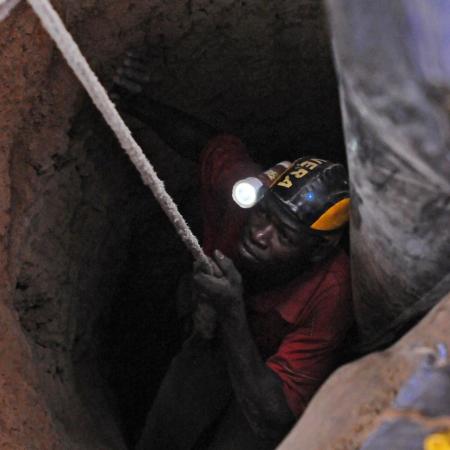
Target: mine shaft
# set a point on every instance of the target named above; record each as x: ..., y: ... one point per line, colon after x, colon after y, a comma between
x: 92, y: 268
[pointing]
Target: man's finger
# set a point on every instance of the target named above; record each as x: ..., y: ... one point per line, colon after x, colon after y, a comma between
x: 217, y: 272
x: 208, y: 283
x: 211, y: 269
x: 202, y: 279
x: 201, y: 267
x: 134, y: 75
x: 225, y: 264
x: 135, y: 64
x: 127, y: 84
x: 119, y: 94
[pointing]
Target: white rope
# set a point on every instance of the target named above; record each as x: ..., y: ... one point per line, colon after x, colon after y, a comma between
x: 56, y: 29
x: 6, y: 6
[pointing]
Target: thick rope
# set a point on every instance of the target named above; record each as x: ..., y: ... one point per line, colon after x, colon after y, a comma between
x: 6, y: 6
x: 56, y: 29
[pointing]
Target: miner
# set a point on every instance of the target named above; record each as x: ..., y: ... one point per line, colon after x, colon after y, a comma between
x: 271, y: 311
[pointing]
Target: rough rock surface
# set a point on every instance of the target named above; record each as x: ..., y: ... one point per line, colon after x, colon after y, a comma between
x: 348, y: 406
x: 81, y: 239
x: 394, y: 70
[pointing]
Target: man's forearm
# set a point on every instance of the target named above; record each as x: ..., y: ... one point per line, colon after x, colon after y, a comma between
x: 257, y: 388
x: 187, y: 135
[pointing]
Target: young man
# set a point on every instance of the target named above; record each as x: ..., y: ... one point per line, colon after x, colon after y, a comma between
x: 277, y: 300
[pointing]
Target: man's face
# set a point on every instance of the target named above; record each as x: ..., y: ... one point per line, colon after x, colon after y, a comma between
x: 272, y: 240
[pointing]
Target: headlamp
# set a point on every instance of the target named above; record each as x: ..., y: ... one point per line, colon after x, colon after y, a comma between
x: 315, y: 190
x: 249, y: 191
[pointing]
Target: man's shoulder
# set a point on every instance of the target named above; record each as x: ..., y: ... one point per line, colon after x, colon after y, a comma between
x: 331, y: 307
x: 337, y: 274
x: 334, y: 288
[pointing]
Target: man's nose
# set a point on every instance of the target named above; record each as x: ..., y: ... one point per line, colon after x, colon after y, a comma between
x: 262, y: 235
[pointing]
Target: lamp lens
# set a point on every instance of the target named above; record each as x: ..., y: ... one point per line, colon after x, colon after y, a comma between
x: 245, y: 194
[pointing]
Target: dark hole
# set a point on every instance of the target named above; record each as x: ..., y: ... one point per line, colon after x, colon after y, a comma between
x: 141, y: 332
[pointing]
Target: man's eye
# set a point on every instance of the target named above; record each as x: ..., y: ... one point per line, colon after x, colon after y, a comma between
x: 284, y: 238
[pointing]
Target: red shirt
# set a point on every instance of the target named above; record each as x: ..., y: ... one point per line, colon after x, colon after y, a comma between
x: 297, y: 327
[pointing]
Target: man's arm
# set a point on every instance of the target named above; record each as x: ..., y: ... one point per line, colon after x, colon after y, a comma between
x: 257, y: 388
x: 187, y: 135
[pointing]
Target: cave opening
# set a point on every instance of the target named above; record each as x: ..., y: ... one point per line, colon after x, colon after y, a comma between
x: 98, y: 263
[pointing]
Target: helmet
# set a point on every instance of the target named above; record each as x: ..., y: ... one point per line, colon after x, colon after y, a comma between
x: 316, y: 191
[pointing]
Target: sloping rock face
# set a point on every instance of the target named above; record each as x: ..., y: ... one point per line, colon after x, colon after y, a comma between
x: 83, y: 245
x: 350, y: 405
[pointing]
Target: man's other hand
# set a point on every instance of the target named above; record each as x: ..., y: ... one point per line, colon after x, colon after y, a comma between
x: 131, y: 78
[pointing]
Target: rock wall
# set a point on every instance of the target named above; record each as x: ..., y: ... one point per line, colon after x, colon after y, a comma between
x: 83, y: 245
x: 60, y: 227
x: 394, y: 72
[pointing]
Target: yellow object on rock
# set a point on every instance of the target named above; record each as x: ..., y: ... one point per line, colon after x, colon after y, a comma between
x: 437, y: 441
